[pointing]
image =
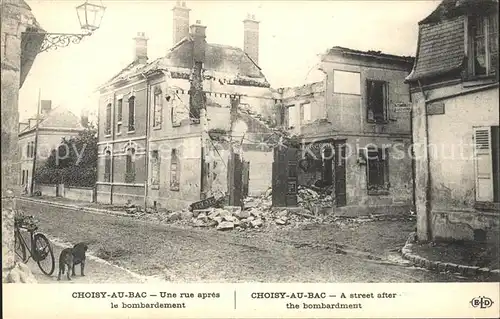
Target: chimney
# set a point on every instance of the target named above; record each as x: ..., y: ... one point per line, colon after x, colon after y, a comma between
x: 196, y: 95
x: 141, y: 48
x: 45, y: 106
x: 251, y: 37
x: 84, y: 118
x: 198, y: 33
x: 180, y: 21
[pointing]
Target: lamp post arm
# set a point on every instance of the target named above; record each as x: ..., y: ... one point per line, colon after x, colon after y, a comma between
x: 53, y: 41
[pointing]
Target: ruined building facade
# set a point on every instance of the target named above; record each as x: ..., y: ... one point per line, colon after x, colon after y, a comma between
x: 167, y: 127
x: 355, y: 131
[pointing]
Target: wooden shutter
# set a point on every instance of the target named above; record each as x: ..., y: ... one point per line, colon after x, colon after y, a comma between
x: 495, y: 150
x: 483, y: 164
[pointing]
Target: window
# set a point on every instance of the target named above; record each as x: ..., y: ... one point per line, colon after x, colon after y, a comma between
x: 107, y: 167
x: 487, y: 163
x: 119, y: 116
x: 483, y: 45
x: 107, y: 127
x: 376, y: 101
x: 377, y: 170
x: 292, y: 116
x: 22, y: 177
x: 158, y: 109
x: 130, y: 166
x: 282, y: 115
x: 131, y: 114
x: 346, y: 82
x: 155, y: 168
x: 174, y: 171
x: 305, y: 113
x: 30, y: 149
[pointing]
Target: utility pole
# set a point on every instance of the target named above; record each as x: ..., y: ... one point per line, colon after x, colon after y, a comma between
x: 36, y: 143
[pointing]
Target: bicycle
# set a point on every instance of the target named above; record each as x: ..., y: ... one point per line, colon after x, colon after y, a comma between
x: 39, y: 249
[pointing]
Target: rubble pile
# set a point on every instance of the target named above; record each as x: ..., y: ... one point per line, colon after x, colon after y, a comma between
x: 311, y: 197
x: 257, y: 213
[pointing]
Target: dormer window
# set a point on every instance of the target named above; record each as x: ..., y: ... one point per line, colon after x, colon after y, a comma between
x: 483, y: 45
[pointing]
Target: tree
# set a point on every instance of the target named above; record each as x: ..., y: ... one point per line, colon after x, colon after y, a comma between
x: 73, y: 163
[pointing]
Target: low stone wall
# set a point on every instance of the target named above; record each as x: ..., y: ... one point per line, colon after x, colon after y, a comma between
x: 47, y: 190
x: 85, y: 194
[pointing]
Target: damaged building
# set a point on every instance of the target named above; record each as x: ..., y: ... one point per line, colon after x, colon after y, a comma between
x: 354, y: 131
x: 454, y: 87
x: 187, y: 126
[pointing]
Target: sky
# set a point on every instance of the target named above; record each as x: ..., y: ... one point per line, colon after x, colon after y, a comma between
x: 292, y: 34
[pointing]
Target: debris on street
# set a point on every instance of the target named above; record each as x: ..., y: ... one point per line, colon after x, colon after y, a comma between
x: 257, y: 213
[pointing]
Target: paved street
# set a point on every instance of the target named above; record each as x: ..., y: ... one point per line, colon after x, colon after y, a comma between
x: 206, y: 255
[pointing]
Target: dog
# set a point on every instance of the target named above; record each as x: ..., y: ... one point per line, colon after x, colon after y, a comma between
x: 71, y: 257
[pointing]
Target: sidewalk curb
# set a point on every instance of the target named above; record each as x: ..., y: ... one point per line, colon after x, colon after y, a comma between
x: 438, y: 266
x: 75, y: 207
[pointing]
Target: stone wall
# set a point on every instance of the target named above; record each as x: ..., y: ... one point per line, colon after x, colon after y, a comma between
x: 445, y: 173
x: 85, y: 194
x: 16, y: 16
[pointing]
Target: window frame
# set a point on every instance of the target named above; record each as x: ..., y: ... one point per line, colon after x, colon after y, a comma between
x: 385, y: 106
x: 119, y: 116
x: 303, y: 112
x: 131, y: 114
x: 155, y: 173
x: 107, y: 122
x: 107, y: 166
x: 382, y: 159
x: 348, y: 92
x: 157, y: 109
x: 471, y: 41
x: 174, y: 172
x: 130, y: 165
x: 291, y: 109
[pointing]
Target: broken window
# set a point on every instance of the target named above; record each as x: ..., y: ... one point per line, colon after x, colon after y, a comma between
x: 346, y: 82
x: 107, y: 166
x: 107, y: 127
x: 155, y: 168
x: 483, y: 45
x: 376, y: 99
x: 282, y: 115
x: 487, y: 163
x: 157, y: 108
x: 130, y: 166
x: 377, y: 170
x: 305, y: 113
x: 174, y: 171
x: 292, y: 116
x: 131, y: 114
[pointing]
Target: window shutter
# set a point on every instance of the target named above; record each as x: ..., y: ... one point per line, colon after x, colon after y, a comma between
x: 368, y: 100
x: 483, y: 164
x: 495, y: 150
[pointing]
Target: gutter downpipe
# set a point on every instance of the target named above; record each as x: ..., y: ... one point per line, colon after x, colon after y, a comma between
x: 112, y: 179
x: 428, y: 184
x: 413, y: 173
x: 146, y: 155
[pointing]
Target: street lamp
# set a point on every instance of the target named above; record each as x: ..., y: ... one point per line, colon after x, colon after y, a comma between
x: 89, y: 16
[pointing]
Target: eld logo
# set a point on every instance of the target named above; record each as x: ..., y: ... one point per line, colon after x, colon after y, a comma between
x: 481, y: 302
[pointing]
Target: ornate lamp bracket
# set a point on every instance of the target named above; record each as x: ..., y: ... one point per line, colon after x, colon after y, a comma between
x: 53, y: 41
